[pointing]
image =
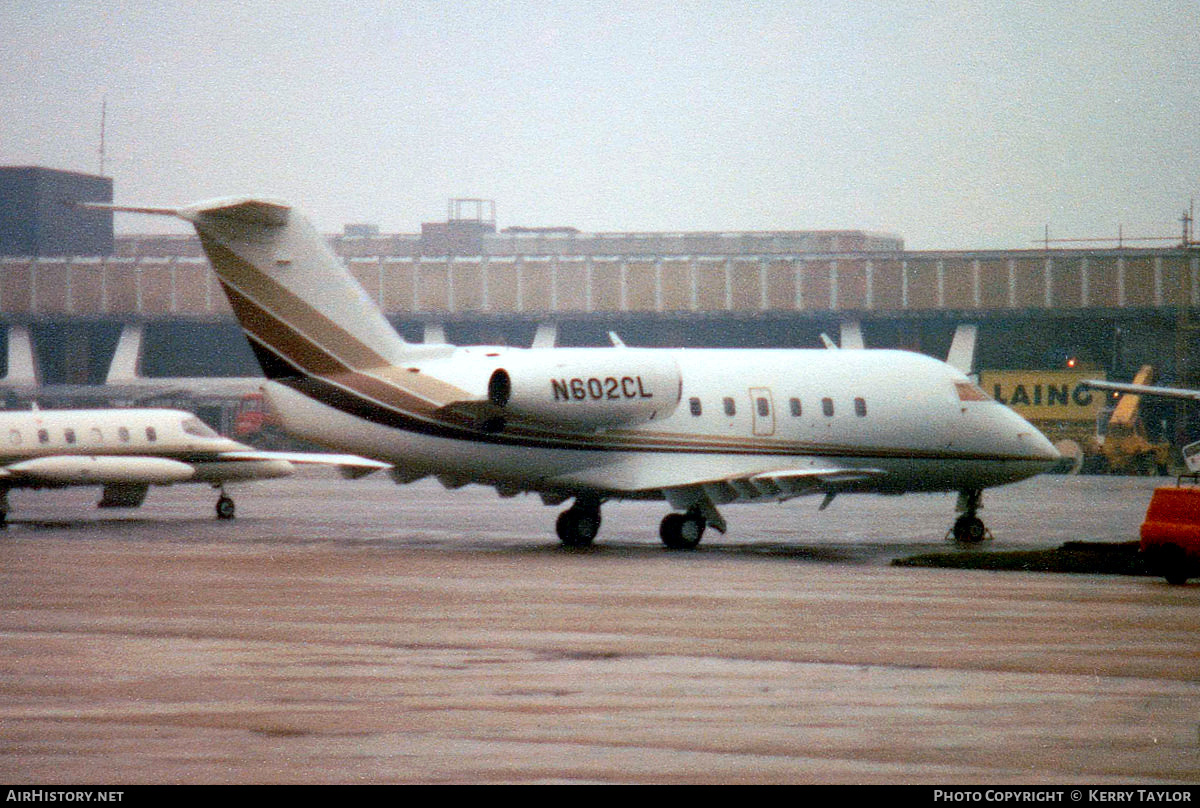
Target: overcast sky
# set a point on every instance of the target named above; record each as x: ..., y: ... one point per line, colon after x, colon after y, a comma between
x: 955, y: 124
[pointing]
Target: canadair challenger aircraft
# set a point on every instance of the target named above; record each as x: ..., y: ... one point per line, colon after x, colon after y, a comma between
x: 697, y: 428
x: 128, y: 450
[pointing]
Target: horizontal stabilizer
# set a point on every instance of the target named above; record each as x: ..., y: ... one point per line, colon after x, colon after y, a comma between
x: 268, y: 212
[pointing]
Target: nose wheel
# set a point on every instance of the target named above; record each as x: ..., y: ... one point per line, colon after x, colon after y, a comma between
x: 969, y: 528
x: 225, y: 506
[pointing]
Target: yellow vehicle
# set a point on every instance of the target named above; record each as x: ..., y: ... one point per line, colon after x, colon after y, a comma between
x: 1075, y: 418
x: 1123, y: 442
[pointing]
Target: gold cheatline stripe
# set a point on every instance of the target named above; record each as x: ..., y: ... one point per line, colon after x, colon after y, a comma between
x: 275, y: 330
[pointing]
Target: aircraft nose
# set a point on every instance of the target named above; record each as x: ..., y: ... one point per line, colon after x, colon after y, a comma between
x: 1031, y: 441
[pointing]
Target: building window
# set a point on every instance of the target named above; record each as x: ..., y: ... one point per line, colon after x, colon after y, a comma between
x: 694, y: 406
x: 860, y: 407
x: 794, y: 403
x: 827, y: 407
x: 730, y: 407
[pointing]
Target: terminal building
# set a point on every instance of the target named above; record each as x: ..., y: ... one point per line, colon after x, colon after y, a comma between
x: 72, y: 319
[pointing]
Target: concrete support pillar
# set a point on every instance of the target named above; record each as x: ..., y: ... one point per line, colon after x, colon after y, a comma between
x: 22, y: 362
x: 435, y: 334
x: 851, y: 335
x: 127, y: 359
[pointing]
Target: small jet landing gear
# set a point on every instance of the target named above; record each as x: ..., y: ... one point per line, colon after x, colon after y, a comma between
x: 578, y: 525
x: 682, y: 531
x: 969, y: 528
x: 225, y: 506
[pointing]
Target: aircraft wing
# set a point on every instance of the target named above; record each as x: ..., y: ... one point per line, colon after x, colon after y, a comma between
x: 782, y: 484
x: 722, y: 478
x: 95, y: 470
x: 351, y: 466
x: 1144, y: 389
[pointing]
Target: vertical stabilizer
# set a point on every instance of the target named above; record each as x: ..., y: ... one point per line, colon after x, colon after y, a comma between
x: 299, y: 305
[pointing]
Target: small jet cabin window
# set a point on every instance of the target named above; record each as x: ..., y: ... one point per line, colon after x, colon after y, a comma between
x: 14, y: 437
x: 827, y: 407
x: 151, y: 434
x: 794, y: 403
x: 860, y: 407
x: 43, y: 436
x: 694, y: 407
x: 69, y: 434
x: 763, y: 406
x: 123, y: 434
x: 730, y: 406
x: 95, y: 435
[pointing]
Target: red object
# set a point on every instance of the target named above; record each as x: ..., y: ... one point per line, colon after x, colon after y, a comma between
x: 1171, y: 533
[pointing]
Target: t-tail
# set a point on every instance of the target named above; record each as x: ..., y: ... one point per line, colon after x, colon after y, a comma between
x: 303, y: 312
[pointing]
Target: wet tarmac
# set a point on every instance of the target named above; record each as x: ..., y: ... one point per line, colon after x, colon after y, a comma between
x: 360, y: 632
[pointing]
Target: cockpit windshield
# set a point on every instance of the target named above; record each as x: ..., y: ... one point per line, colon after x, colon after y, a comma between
x: 194, y: 426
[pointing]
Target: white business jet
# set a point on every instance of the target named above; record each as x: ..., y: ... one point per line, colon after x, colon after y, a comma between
x: 127, y: 450
x: 696, y: 428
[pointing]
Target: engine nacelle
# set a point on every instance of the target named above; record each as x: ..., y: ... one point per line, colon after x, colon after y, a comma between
x: 587, y: 388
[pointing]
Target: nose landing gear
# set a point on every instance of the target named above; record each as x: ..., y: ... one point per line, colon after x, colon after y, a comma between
x: 969, y: 528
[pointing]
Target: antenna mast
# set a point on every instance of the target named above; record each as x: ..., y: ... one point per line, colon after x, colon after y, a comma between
x: 103, y: 122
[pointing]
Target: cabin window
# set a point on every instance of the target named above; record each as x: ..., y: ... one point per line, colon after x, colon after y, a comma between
x: 123, y: 434
x: 764, y: 407
x: 860, y: 407
x: 69, y: 434
x: 96, y: 436
x: 43, y: 436
x: 694, y: 406
x: 14, y: 437
x: 730, y: 406
x: 827, y: 407
x: 794, y: 403
x: 151, y: 434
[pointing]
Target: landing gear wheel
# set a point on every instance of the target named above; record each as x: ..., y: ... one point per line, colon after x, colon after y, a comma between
x: 578, y: 525
x: 225, y: 507
x: 682, y: 531
x: 969, y: 529
x: 1171, y: 562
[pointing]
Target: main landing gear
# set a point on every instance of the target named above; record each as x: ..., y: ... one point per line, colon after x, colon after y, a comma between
x: 578, y: 525
x: 225, y: 507
x: 682, y: 531
x: 969, y: 528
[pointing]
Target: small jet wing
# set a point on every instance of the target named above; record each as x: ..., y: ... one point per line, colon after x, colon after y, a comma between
x: 351, y: 466
x: 1144, y: 389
